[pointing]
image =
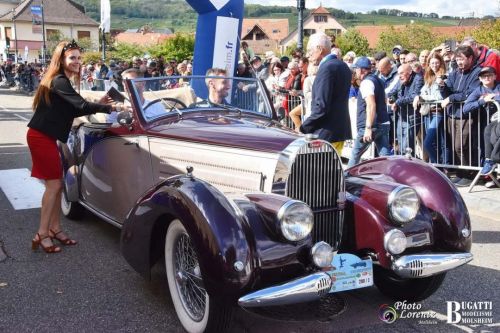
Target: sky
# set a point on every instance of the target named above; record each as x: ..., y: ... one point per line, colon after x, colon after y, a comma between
x: 440, y: 7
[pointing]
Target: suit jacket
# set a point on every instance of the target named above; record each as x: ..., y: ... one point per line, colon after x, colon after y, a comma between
x: 55, y: 120
x: 329, y: 117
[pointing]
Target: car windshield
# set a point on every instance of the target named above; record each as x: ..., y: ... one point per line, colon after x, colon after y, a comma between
x: 163, y: 96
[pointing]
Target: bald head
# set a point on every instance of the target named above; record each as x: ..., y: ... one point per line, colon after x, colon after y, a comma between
x: 404, y: 73
x: 385, y: 66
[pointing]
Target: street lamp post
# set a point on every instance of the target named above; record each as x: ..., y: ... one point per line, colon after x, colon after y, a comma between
x: 15, y: 32
x: 44, y: 48
x: 301, y: 4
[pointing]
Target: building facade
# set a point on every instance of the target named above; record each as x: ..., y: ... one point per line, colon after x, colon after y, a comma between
x: 320, y: 20
x: 64, y: 18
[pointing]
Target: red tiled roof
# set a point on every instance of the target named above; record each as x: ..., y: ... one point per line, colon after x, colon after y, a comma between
x: 320, y: 10
x: 139, y: 38
x: 275, y: 29
x: 372, y: 32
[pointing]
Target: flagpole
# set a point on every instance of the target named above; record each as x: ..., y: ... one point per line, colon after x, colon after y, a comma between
x: 103, y: 44
x: 44, y: 50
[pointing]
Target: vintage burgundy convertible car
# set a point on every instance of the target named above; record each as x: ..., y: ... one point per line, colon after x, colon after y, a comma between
x: 246, y: 212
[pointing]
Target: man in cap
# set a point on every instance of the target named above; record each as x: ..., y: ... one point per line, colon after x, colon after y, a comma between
x: 258, y: 69
x: 373, y: 123
x: 481, y: 100
x: 329, y: 117
x: 396, y: 51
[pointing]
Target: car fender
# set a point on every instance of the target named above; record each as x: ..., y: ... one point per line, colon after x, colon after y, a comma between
x: 69, y: 171
x: 449, y: 214
x: 212, y: 221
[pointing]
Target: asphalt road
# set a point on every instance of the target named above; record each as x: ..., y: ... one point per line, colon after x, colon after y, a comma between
x: 90, y: 287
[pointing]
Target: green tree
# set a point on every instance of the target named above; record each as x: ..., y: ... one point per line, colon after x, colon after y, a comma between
x: 488, y: 33
x: 180, y: 47
x: 413, y: 37
x: 353, y: 40
x: 125, y: 52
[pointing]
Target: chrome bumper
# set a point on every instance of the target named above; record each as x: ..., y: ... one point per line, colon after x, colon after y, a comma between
x: 304, y: 289
x: 422, y: 265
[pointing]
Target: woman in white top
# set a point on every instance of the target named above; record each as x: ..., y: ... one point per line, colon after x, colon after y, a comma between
x: 430, y: 108
x: 312, y: 70
x: 274, y: 82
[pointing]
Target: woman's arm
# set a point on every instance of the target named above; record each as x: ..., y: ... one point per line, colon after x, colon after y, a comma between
x: 61, y: 86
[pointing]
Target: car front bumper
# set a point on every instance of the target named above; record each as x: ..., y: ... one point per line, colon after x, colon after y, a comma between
x: 304, y: 289
x: 423, y: 265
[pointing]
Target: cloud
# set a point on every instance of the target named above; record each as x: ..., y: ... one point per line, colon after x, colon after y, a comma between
x: 441, y: 7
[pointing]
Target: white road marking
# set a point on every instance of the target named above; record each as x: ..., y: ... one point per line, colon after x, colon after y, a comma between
x: 22, y: 191
x: 23, y: 118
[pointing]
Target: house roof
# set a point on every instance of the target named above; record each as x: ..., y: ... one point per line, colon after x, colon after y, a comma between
x: 149, y: 38
x: 275, y: 29
x: 55, y: 12
x: 372, y: 32
x: 320, y: 10
x: 256, y: 28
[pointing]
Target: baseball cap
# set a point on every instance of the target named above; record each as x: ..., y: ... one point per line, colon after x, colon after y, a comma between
x: 255, y: 58
x: 284, y: 58
x: 397, y: 49
x: 363, y: 62
x: 269, y: 54
x: 487, y: 70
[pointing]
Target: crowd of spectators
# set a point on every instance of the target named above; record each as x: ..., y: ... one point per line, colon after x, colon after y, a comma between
x: 436, y: 100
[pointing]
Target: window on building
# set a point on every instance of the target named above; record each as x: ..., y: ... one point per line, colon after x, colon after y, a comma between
x: 275, y: 31
x: 320, y: 18
x: 52, y: 33
x: 83, y: 34
x: 8, y: 32
x: 309, y: 32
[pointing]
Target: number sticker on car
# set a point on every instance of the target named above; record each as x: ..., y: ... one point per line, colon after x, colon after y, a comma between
x: 350, y: 272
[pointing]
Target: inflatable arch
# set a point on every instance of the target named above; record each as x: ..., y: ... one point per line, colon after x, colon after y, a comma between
x: 217, y: 34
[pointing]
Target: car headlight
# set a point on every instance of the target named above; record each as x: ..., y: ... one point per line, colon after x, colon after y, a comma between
x: 395, y: 241
x: 296, y: 220
x: 403, y: 204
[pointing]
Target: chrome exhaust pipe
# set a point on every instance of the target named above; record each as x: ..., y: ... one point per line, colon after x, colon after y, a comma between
x: 304, y: 289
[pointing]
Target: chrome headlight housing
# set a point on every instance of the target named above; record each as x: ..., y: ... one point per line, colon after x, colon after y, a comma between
x: 296, y: 220
x: 403, y: 204
x: 395, y: 241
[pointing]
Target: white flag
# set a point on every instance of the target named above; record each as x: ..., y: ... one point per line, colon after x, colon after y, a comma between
x: 105, y: 16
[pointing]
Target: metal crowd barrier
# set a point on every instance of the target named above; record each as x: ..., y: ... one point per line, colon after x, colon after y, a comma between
x: 445, y: 137
x: 284, y: 104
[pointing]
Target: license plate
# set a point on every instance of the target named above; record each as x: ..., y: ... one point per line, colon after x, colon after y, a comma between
x: 350, y: 272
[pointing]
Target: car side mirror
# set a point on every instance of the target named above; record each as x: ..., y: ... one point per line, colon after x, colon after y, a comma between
x: 124, y: 118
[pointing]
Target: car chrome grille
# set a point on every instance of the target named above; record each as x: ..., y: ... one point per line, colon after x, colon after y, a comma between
x: 316, y: 178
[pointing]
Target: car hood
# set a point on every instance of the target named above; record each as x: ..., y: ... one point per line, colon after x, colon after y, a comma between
x: 248, y: 132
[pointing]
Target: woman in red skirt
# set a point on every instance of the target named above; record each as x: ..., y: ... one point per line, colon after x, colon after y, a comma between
x: 55, y: 106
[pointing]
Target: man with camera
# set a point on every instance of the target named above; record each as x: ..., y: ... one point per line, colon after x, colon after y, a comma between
x: 462, y: 128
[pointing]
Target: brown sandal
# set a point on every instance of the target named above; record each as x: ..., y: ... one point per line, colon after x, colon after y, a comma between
x: 37, y: 242
x: 65, y: 240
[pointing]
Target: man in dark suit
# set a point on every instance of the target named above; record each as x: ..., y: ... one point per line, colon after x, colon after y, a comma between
x: 329, y: 117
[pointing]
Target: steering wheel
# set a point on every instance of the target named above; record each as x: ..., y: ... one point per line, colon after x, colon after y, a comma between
x: 175, y: 102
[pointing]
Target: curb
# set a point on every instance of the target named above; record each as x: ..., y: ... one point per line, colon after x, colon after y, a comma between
x: 482, y: 201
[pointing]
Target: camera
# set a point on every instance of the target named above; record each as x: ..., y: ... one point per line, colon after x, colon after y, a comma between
x: 444, y: 77
x: 392, y: 100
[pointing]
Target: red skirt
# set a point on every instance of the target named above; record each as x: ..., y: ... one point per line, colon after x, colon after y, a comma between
x: 45, y: 156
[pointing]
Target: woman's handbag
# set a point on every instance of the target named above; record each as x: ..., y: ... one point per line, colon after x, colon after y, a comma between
x: 425, y: 109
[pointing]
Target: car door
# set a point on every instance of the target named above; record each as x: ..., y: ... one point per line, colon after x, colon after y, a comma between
x: 115, y: 172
